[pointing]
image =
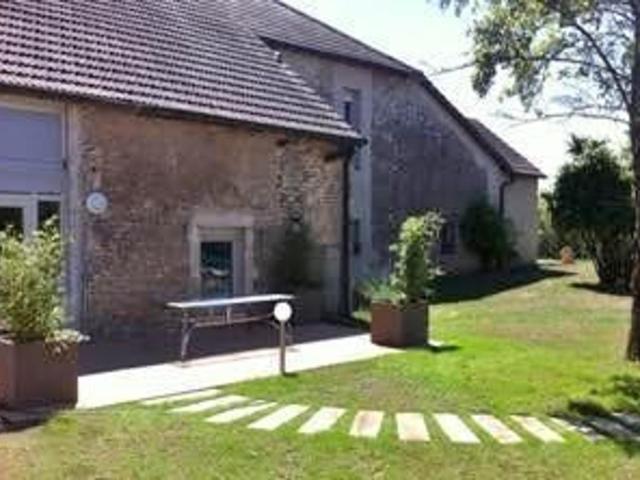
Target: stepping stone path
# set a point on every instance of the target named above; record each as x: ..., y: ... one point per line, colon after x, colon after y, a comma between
x: 454, y: 428
x: 211, y: 404
x: 629, y: 420
x: 182, y: 397
x: 240, y: 413
x: 279, y: 417
x: 496, y: 429
x: 538, y: 429
x: 577, y: 427
x: 367, y: 424
x: 411, y: 427
x: 613, y: 429
x: 322, y: 421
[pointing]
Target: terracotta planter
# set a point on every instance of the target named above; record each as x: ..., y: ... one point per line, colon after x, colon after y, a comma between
x: 394, y: 326
x: 30, y: 376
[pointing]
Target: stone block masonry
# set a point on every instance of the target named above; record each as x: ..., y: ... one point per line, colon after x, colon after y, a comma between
x: 158, y: 175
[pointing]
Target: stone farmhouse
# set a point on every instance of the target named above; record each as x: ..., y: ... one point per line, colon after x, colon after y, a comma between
x: 177, y: 137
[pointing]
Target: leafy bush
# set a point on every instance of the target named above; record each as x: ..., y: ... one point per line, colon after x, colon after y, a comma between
x: 549, y: 242
x: 487, y: 235
x: 380, y: 291
x: 30, y: 294
x: 593, y: 202
x: 413, y: 269
x: 292, y: 265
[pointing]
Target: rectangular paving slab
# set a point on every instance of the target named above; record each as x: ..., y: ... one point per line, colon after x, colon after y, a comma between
x: 577, y: 427
x: 411, y: 427
x: 454, y: 428
x: 613, y: 429
x: 629, y: 420
x: 279, y: 417
x: 182, y: 397
x: 241, y: 412
x: 220, y: 402
x: 367, y: 424
x: 322, y: 421
x: 538, y: 429
x: 497, y: 429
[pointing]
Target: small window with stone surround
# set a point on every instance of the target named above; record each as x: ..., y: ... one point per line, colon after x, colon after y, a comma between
x: 221, y: 255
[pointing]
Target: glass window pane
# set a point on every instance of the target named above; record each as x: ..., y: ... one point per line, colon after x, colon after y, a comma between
x: 47, y: 210
x: 216, y: 269
x: 12, y: 218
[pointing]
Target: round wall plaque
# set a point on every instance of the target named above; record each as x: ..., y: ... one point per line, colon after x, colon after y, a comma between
x: 97, y: 203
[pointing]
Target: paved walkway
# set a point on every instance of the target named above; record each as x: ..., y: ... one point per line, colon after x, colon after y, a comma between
x: 410, y: 426
x: 135, y: 384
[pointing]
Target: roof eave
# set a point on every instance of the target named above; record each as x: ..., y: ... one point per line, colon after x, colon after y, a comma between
x: 352, y: 138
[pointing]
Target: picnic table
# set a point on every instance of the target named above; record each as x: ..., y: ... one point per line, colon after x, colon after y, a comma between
x: 223, y: 312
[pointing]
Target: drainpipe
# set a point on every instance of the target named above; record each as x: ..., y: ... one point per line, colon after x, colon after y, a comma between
x: 345, y: 257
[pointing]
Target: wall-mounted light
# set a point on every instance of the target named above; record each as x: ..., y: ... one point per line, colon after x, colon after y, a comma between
x: 97, y: 203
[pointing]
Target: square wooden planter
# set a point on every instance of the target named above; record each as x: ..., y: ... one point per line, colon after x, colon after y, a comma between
x: 394, y: 326
x: 30, y: 376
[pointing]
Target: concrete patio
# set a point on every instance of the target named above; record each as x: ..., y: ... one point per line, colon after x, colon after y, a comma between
x: 114, y: 372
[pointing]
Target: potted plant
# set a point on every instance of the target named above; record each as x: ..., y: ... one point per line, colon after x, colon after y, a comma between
x: 399, y: 306
x: 38, y: 359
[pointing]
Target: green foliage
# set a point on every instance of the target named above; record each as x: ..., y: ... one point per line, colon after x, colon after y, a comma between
x: 551, y: 238
x: 30, y: 293
x: 587, y: 45
x: 414, y: 270
x: 380, y: 291
x: 549, y: 243
x: 593, y: 202
x: 489, y: 236
x: 292, y: 265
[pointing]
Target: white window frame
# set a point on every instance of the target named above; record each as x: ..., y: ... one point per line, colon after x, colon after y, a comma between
x: 28, y: 202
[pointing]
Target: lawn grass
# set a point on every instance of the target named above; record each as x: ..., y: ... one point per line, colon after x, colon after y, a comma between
x: 534, y: 342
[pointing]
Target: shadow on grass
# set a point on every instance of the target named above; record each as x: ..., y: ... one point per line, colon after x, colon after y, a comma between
x: 451, y: 289
x: 602, y: 289
x: 620, y: 395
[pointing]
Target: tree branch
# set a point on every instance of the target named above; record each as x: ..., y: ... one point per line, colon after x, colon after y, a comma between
x: 519, y: 121
x: 607, y: 62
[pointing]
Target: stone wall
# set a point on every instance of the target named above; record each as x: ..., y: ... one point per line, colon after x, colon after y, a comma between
x: 158, y: 174
x: 419, y: 157
x: 419, y: 163
x: 521, y: 207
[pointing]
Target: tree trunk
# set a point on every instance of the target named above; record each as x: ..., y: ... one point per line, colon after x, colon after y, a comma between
x: 633, y: 346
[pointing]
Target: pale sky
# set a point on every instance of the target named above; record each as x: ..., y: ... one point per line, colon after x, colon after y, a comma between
x: 419, y: 33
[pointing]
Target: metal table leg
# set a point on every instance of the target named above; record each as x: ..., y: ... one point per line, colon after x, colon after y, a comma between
x: 187, y: 328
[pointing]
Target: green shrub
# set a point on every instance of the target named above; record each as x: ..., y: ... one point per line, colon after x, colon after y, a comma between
x: 487, y: 235
x: 592, y: 202
x: 31, y: 305
x: 292, y: 263
x: 413, y: 268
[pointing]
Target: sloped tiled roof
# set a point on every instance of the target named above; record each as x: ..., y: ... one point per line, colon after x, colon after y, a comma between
x: 517, y: 163
x: 186, y: 56
x: 280, y: 24
x: 274, y: 21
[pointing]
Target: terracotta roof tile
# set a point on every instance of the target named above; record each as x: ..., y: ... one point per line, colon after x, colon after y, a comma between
x: 517, y: 163
x: 188, y: 56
